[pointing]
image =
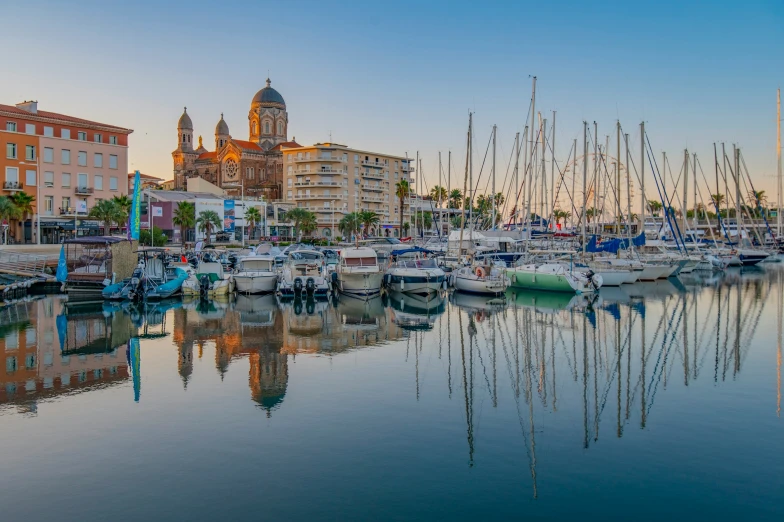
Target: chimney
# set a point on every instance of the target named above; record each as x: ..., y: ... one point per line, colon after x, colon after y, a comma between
x: 29, y: 106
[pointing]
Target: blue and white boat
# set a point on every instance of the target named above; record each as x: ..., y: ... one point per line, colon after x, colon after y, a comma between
x: 413, y: 273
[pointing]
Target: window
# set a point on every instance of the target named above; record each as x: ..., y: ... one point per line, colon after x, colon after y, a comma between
x: 112, y: 161
x: 30, y: 152
x: 10, y: 150
x: 30, y: 361
x: 290, y: 181
x: 49, y: 179
x: 112, y: 140
x: 98, y: 138
x: 48, y: 205
x: 266, y: 127
x: 10, y: 126
x: 12, y: 175
x: 29, y: 128
x: 98, y: 160
x: 65, y: 157
x: 65, y: 134
x: 82, y: 159
x: 280, y: 128
x: 81, y: 136
x: 98, y: 180
x: 289, y: 195
x: 49, y: 132
x: 356, y: 171
x: 255, y: 128
x: 66, y: 203
x: 113, y: 183
x: 66, y: 180
x: 48, y: 155
x: 30, y: 176
x: 81, y: 180
x: 10, y: 364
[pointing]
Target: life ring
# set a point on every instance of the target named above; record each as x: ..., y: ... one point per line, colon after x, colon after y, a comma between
x: 480, y: 272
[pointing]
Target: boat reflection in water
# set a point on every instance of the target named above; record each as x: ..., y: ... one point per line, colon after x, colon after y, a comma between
x: 51, y: 349
x: 416, y: 311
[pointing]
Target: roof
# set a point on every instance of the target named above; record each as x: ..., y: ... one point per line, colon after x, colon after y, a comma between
x: 178, y: 195
x: 288, y: 144
x: 95, y: 240
x: 357, y: 252
x: 208, y: 155
x: 269, y: 97
x: 248, y: 145
x: 10, y: 110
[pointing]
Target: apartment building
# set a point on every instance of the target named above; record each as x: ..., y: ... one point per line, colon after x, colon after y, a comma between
x: 332, y: 180
x: 80, y: 163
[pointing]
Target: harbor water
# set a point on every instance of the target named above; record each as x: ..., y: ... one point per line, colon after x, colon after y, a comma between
x: 647, y: 402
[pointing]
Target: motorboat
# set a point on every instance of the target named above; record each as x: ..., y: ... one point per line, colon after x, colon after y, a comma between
x: 358, y: 273
x: 480, y: 278
x: 209, y: 279
x: 304, y: 273
x: 412, y: 273
x: 256, y: 274
x: 553, y: 277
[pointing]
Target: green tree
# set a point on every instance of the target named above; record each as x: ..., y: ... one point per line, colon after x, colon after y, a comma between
x: 349, y: 225
x: 757, y: 201
x: 424, y: 221
x: 559, y: 214
x: 591, y: 213
x: 297, y: 215
x: 184, y: 217
x: 455, y: 199
x: 406, y: 228
x: 8, y: 212
x: 499, y: 200
x: 308, y: 224
x: 654, y: 206
x: 158, y: 237
x: 124, y: 203
x: 438, y: 194
x: 368, y: 218
x: 207, y: 222
x: 456, y: 221
x: 109, y: 212
x: 402, y: 190
x: 252, y: 218
x: 24, y: 203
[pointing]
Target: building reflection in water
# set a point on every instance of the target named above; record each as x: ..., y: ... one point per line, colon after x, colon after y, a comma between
x: 50, y: 348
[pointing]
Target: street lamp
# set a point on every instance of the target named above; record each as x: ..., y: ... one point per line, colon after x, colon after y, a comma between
x: 37, y: 196
x: 332, y: 237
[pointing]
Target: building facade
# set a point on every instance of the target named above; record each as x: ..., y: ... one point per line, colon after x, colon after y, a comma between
x: 253, y: 165
x: 67, y: 164
x: 333, y: 180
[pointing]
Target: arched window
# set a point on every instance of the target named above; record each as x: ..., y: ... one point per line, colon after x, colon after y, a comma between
x: 280, y: 128
x: 184, y: 138
x: 255, y: 128
x: 266, y: 127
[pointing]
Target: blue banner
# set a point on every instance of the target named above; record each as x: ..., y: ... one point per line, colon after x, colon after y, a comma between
x: 228, y: 215
x: 62, y: 267
x: 134, y: 365
x: 61, y: 322
x: 134, y: 218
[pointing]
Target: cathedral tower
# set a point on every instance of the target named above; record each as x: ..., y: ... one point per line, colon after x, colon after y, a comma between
x: 268, y: 120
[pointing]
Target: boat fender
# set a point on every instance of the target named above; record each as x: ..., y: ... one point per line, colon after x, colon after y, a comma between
x: 480, y: 272
x: 596, y: 281
x: 443, y: 285
x: 402, y: 284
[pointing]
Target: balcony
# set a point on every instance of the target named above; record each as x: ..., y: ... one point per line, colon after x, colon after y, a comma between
x: 374, y: 188
x: 319, y: 158
x: 13, y: 186
x: 407, y: 168
x: 327, y: 210
x: 317, y: 184
x: 84, y: 190
x: 317, y: 196
x: 71, y: 211
x: 327, y: 221
x: 373, y: 199
x: 376, y: 164
x: 373, y: 175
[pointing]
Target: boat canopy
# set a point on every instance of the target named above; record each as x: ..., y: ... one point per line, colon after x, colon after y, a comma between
x: 412, y: 250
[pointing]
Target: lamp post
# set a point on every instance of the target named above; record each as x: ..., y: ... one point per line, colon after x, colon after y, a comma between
x: 332, y: 237
x: 37, y: 165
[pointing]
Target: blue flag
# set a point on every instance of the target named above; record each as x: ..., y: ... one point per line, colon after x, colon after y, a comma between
x: 62, y: 267
x: 61, y: 322
x: 135, y: 218
x: 134, y: 365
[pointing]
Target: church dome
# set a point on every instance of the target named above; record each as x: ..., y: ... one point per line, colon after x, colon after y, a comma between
x: 185, y: 121
x: 269, y: 97
x: 222, y: 128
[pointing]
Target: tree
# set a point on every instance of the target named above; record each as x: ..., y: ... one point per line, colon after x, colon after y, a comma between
x: 308, y: 224
x: 455, y: 199
x: 158, y: 237
x: 24, y: 203
x: 402, y: 190
x: 591, y: 213
x: 252, y: 218
x: 368, y: 218
x: 349, y: 225
x: 184, y: 217
x: 207, y: 222
x: 559, y: 214
x: 109, y: 212
x: 424, y: 221
x: 406, y: 228
x: 298, y: 215
x: 438, y: 194
x: 654, y: 206
x: 8, y: 212
x: 499, y: 200
x: 124, y: 203
x: 757, y: 201
x: 456, y: 221
x: 718, y: 199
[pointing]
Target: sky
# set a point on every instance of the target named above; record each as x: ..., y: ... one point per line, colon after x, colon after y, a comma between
x: 401, y: 77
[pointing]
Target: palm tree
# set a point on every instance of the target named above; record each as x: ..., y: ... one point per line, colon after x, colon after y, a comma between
x: 456, y: 221
x: 24, y: 203
x: 455, y: 198
x: 499, y: 200
x: 438, y: 194
x: 308, y: 224
x: 8, y: 212
x: 559, y: 214
x: 184, y: 217
x: 349, y: 224
x: 124, y: 203
x: 424, y: 220
x: 757, y: 201
x: 402, y: 190
x: 591, y: 213
x: 208, y: 221
x: 109, y: 212
x: 654, y: 206
x: 406, y: 228
x: 368, y: 218
x: 298, y: 215
x: 718, y: 199
x: 252, y: 218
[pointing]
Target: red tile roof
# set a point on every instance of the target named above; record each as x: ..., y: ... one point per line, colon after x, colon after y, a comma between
x: 208, y: 155
x: 287, y: 144
x: 248, y: 145
x: 10, y: 110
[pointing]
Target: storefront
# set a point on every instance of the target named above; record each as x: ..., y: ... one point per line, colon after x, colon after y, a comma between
x: 56, y: 231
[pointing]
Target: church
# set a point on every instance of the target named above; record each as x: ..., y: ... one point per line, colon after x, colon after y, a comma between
x: 256, y: 163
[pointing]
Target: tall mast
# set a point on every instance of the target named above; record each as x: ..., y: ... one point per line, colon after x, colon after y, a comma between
x: 470, y: 168
x: 736, y: 175
x: 523, y: 195
x: 585, y: 181
x: 448, y: 182
x: 694, y: 177
x: 416, y: 193
x: 642, y: 177
x: 595, y: 217
x: 465, y: 187
x: 515, y: 209
x: 573, y: 195
x: 664, y: 172
x: 552, y: 173
x: 685, y: 206
x: 618, y: 176
x: 492, y: 197
x: 726, y: 186
x: 780, y: 191
x: 438, y: 196
x: 529, y: 162
x: 543, y: 199
x: 628, y: 190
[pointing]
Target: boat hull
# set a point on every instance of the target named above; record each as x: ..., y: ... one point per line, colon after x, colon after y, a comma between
x: 533, y: 280
x: 255, y: 283
x: 360, y: 284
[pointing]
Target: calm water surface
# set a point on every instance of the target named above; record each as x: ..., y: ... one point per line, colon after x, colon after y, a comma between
x: 655, y: 400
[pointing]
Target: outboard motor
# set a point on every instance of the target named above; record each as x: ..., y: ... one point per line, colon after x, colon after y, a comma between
x: 334, y: 277
x: 310, y: 286
x: 310, y: 306
x: 136, y: 290
x: 298, y: 286
x: 204, y: 285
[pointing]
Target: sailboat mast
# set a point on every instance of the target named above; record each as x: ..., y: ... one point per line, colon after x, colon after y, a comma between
x: 516, y: 180
x: 448, y: 183
x: 585, y: 182
x: 694, y: 177
x: 595, y: 217
x: 778, y: 167
x: 736, y: 176
x: 618, y: 176
x: 543, y: 199
x: 438, y: 197
x: 573, y: 195
x: 470, y: 168
x: 492, y: 196
x: 685, y: 206
x: 416, y: 192
x: 552, y: 173
x: 642, y: 176
x: 628, y: 190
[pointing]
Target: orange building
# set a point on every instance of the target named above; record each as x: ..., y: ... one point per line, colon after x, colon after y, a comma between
x: 18, y: 168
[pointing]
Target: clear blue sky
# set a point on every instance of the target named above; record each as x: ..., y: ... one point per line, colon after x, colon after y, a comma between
x: 401, y: 76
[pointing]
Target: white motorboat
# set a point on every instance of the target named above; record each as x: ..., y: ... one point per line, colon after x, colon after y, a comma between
x: 358, y: 272
x: 479, y: 279
x: 209, y: 280
x: 256, y: 275
x: 304, y: 273
x: 414, y: 275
